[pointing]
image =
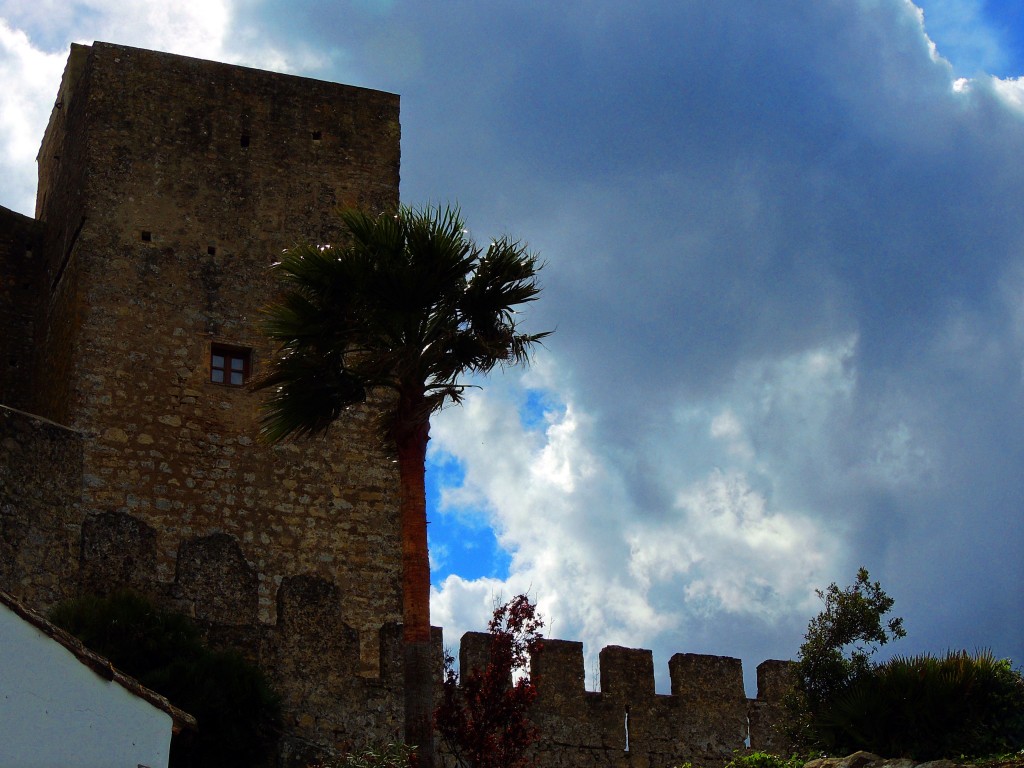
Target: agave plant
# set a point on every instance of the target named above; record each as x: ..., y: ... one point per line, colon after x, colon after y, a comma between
x: 926, y: 707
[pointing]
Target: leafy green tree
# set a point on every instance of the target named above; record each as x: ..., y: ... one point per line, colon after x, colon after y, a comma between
x: 842, y: 638
x: 406, y: 309
x: 924, y: 707
x: 837, y: 649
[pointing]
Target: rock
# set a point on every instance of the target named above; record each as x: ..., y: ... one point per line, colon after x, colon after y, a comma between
x: 863, y: 759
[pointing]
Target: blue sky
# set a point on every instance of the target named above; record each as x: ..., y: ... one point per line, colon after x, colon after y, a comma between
x: 785, y: 265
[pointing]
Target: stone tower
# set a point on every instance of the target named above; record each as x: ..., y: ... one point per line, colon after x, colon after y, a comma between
x: 131, y: 305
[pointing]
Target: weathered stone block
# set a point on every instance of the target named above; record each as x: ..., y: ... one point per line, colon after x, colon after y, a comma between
x: 117, y: 551
x: 627, y: 672
x: 215, y: 578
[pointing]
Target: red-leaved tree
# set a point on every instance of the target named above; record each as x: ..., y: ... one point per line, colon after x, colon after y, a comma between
x: 483, y: 723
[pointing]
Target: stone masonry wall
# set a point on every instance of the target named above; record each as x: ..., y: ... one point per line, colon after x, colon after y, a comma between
x: 40, y: 490
x: 20, y: 252
x: 311, y: 653
x: 331, y: 698
x: 61, y: 213
x: 705, y: 718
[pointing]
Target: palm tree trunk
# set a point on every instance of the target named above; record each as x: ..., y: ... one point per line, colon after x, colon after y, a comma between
x: 418, y: 652
x: 412, y: 457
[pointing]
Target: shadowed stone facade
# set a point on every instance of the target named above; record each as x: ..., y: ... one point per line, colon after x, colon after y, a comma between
x: 167, y: 185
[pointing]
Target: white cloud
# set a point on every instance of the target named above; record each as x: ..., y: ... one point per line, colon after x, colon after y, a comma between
x: 607, y: 571
x: 189, y: 27
x: 1011, y: 90
x: 740, y: 541
x: 30, y: 79
x: 727, y: 428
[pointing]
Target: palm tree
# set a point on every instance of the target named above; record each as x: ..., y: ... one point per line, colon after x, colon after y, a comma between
x: 407, y: 309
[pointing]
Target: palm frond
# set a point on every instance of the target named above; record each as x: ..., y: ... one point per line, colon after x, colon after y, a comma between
x: 308, y: 393
x: 411, y: 304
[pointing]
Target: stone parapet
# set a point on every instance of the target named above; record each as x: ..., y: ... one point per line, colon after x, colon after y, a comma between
x: 705, y: 719
x: 41, y: 480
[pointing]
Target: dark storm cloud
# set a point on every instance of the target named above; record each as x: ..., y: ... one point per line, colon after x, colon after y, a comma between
x: 718, y: 188
x: 786, y: 268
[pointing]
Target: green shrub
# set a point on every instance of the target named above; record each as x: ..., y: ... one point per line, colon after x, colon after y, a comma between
x: 746, y: 759
x: 237, y: 712
x: 923, y: 707
x: 928, y: 707
x: 129, y: 630
x: 842, y: 638
x: 836, y: 653
x: 764, y: 760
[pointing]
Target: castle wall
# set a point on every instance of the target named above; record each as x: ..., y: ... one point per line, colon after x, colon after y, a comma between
x: 768, y: 714
x: 40, y: 489
x: 20, y: 252
x: 62, y: 210
x: 310, y: 652
x: 704, y: 720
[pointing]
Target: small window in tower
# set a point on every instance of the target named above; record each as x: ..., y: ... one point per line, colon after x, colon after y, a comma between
x: 317, y: 135
x: 146, y: 236
x: 230, y: 365
x: 212, y: 250
x: 245, y: 140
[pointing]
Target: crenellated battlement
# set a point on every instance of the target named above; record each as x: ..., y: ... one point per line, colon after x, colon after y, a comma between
x: 703, y: 720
